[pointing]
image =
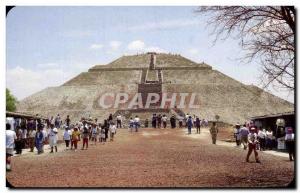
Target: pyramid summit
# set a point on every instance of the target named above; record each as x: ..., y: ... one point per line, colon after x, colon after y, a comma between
x: 173, y: 85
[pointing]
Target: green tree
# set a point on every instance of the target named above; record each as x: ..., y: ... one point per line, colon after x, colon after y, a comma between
x: 10, y: 101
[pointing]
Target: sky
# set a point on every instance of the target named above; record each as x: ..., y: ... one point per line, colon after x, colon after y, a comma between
x: 46, y: 46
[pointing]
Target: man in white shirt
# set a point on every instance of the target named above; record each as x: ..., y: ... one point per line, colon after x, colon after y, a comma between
x: 252, y: 142
x: 53, y: 137
x: 180, y: 120
x: 164, y: 120
x: 119, y: 121
x: 136, y: 123
x: 112, y: 130
x: 10, y: 144
x: 262, y: 139
x: 11, y: 121
x: 67, y: 137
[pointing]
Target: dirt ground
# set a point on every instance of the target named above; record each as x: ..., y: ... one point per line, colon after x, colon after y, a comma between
x: 151, y: 158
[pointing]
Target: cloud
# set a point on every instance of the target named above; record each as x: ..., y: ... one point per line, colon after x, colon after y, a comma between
x: 136, y: 45
x: 193, y: 51
x: 115, y: 45
x: 155, y: 49
x: 96, y: 46
x: 167, y: 24
x: 24, y: 82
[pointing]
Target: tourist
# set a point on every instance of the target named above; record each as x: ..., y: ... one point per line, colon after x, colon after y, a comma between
x: 52, y: 120
x: 244, y: 131
x: 39, y: 139
x: 159, y: 117
x: 45, y: 133
x: 19, y: 141
x: 94, y: 133
x: 252, y: 142
x: 10, y: 144
x: 112, y: 131
x: 237, y: 135
x: 180, y: 121
x: 214, y: 132
x: 102, y: 135
x: 136, y: 123
x: 90, y: 119
x: 186, y: 119
x: 110, y: 118
x: 85, y: 137
x: 57, y: 121
x: 194, y: 119
x: 106, y: 127
x: 164, y: 120
x: 189, y: 123
x: 198, y: 124
x: 75, y: 137
x: 131, y: 124
x: 262, y: 139
x: 119, y: 121
x: 31, y: 136
x: 146, y: 123
x: 90, y: 131
x: 269, y: 139
x: 154, y: 121
x: 11, y: 121
x: 53, y: 137
x: 24, y: 136
x: 173, y: 121
x: 290, y: 143
x: 67, y: 137
x: 68, y: 120
x: 203, y: 123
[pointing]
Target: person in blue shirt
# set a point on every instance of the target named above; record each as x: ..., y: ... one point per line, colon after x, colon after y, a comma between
x: 190, y: 124
x: 39, y: 139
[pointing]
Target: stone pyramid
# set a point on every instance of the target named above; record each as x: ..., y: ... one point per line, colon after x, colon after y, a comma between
x: 217, y: 94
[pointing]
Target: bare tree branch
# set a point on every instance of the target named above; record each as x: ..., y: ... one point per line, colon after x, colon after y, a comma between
x: 266, y: 33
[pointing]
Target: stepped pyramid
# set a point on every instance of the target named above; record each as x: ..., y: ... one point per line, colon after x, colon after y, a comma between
x: 217, y: 94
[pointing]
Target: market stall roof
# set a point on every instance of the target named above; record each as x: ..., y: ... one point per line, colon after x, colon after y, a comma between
x: 23, y: 115
x: 273, y: 115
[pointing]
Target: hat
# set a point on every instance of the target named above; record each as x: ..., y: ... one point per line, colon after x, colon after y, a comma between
x: 252, y: 129
x: 237, y: 124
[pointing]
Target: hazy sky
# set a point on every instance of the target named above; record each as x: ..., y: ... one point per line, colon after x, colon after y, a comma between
x: 47, y: 46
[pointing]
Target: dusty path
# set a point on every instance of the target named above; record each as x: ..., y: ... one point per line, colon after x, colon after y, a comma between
x: 151, y: 158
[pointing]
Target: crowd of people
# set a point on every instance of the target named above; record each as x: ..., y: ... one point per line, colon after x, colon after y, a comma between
x: 255, y: 138
x: 35, y: 133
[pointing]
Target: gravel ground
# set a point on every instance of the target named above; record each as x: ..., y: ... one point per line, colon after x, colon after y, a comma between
x: 151, y: 158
